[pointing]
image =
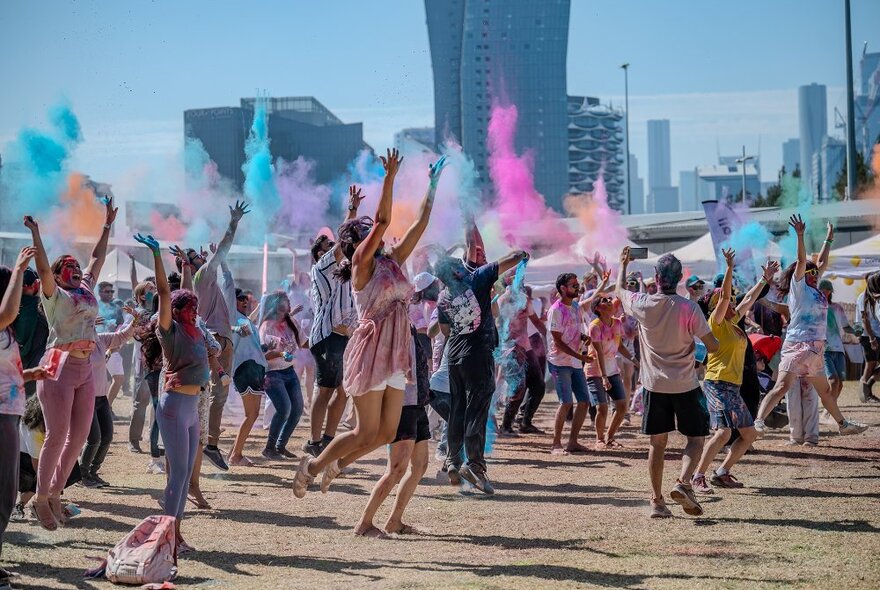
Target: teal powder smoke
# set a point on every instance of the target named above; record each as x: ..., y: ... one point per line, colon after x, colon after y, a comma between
x: 259, y: 179
x: 750, y: 242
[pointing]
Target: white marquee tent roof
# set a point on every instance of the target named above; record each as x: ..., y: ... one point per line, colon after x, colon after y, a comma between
x: 117, y: 269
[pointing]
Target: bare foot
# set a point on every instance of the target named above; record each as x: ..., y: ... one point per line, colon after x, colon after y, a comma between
x: 45, y: 515
x: 198, y: 500
x: 240, y: 461
x: 57, y: 510
x: 402, y: 529
x: 371, y: 532
x: 558, y: 450
x: 576, y: 448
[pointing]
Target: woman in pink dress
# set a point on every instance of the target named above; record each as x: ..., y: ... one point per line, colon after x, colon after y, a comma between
x: 380, y: 355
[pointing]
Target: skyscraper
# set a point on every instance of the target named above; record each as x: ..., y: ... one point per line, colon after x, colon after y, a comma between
x: 595, y: 135
x: 515, y: 52
x: 813, y: 124
x: 828, y: 163
x: 868, y: 104
x: 687, y: 191
x: 659, y: 157
x: 638, y: 187
x: 298, y: 126
x: 791, y: 155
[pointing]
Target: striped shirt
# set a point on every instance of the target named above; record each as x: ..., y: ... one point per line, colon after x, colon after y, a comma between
x: 331, y: 299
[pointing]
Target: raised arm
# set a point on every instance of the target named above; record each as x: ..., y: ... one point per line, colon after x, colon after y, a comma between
x: 11, y: 303
x: 621, y: 272
x: 754, y: 293
x: 726, y: 288
x: 364, y: 255
x: 47, y: 279
x: 99, y: 253
x: 511, y: 260
x: 163, y: 291
x: 412, y: 236
x: 822, y: 263
x: 801, y: 266
x: 235, y: 214
x: 133, y: 272
x: 600, y: 289
x: 186, y: 274
x: 355, y: 196
x: 473, y: 240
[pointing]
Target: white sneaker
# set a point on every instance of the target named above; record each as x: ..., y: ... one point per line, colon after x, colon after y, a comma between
x: 760, y: 428
x: 852, y: 427
x: 155, y: 467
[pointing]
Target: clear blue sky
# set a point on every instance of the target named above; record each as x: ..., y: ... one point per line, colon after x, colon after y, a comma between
x: 723, y: 73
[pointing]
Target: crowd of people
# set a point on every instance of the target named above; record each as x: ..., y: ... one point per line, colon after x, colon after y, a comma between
x: 404, y: 345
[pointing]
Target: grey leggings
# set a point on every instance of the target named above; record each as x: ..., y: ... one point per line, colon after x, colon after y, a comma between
x: 178, y: 418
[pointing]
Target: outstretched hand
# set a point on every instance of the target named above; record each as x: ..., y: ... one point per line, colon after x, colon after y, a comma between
x: 625, y: 256
x: 435, y: 169
x: 24, y: 257
x: 829, y: 236
x: 31, y: 223
x: 729, y: 255
x: 355, y: 196
x: 391, y: 162
x: 238, y: 211
x: 148, y: 241
x: 110, y: 210
x: 179, y: 254
x: 770, y: 269
x: 797, y: 224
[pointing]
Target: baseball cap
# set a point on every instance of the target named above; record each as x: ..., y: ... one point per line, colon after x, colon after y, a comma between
x: 826, y: 285
x: 423, y: 280
x: 693, y: 281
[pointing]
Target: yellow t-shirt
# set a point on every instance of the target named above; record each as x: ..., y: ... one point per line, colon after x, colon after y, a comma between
x: 727, y: 364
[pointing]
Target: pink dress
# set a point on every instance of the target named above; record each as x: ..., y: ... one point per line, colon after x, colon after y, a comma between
x: 382, y: 343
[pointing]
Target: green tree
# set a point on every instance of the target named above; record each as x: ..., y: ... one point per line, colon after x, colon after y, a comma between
x: 863, y: 178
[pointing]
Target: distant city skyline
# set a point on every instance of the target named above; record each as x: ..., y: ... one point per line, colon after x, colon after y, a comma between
x: 139, y: 66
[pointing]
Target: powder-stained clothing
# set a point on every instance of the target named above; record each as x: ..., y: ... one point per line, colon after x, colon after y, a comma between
x: 469, y: 315
x: 381, y: 345
x: 606, y: 340
x: 332, y: 300
x: 668, y: 325
x: 212, y: 302
x: 568, y: 320
x: 71, y: 315
x: 98, y: 358
x: 12, y: 395
x: 809, y: 310
x: 247, y: 348
x: 728, y: 362
x: 185, y: 356
x: 279, y: 334
x: 837, y: 323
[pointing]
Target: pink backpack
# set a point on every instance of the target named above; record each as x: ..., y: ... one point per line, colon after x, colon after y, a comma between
x: 147, y: 555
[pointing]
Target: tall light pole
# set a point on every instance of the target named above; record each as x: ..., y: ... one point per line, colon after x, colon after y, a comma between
x: 850, y: 112
x: 743, y: 161
x: 625, y: 68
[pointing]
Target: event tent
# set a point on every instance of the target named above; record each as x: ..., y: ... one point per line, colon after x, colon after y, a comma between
x: 856, y: 260
x: 571, y: 259
x: 698, y: 257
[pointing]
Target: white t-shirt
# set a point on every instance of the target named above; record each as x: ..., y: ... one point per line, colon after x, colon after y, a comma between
x: 873, y: 318
x: 12, y: 396
x: 809, y: 313
x: 538, y: 309
x: 668, y: 325
x: 567, y: 320
x: 30, y: 441
x: 837, y: 321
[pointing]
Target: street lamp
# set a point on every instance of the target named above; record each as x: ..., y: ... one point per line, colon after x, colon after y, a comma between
x: 625, y: 68
x: 743, y: 161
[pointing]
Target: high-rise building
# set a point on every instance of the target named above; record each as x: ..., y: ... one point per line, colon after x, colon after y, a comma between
x: 595, y: 144
x: 813, y: 121
x: 637, y: 192
x: 513, y: 51
x: 663, y: 199
x: 791, y: 155
x: 298, y: 126
x: 422, y: 136
x: 868, y: 104
x: 687, y: 191
x: 659, y: 156
x: 828, y: 162
x: 723, y: 182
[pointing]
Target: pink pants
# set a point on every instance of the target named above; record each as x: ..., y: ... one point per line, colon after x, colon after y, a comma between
x: 68, y: 407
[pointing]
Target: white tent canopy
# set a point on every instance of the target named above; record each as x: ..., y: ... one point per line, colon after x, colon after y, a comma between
x: 571, y: 259
x: 698, y: 257
x: 117, y: 270
x: 856, y: 260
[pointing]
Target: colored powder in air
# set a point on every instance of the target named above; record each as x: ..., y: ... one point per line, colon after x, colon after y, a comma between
x: 34, y: 171
x: 80, y: 211
x: 797, y: 199
x: 464, y: 177
x: 304, y: 203
x: 526, y: 221
x: 259, y: 182
x: 751, y: 243
x: 601, y: 224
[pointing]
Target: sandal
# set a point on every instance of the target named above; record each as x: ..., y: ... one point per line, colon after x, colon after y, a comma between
x: 241, y: 462
x: 45, y: 515
x: 332, y: 471
x: 613, y: 444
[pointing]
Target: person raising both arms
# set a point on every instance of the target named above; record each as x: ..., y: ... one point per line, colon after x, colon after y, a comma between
x: 379, y: 359
x: 724, y: 376
x: 68, y: 401
x: 804, y: 346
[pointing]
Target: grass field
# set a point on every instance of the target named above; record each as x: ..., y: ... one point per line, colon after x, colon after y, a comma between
x: 807, y: 518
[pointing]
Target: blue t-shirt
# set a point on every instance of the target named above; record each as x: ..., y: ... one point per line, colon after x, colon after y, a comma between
x: 809, y: 313
x: 469, y: 315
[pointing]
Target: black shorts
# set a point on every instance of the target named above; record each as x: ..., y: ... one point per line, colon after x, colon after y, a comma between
x: 685, y: 412
x: 250, y: 375
x: 328, y: 360
x: 413, y: 425
x: 871, y: 355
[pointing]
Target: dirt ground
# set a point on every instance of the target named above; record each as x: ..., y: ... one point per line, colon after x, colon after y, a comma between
x: 807, y: 518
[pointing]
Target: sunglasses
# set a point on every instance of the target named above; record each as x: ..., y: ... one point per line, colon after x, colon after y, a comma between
x: 605, y: 300
x: 108, y: 291
x: 812, y: 272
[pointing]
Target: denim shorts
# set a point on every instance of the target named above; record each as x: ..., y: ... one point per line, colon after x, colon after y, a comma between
x: 598, y: 394
x: 570, y: 381
x: 835, y: 364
